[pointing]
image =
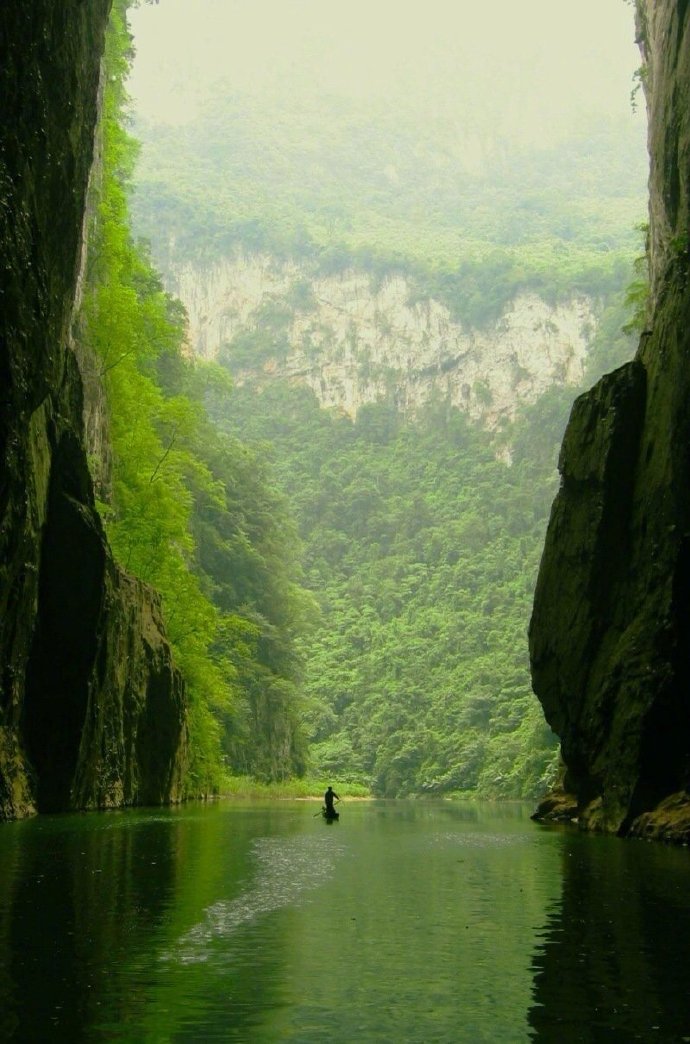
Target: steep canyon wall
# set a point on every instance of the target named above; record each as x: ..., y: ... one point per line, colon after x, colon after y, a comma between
x: 92, y: 709
x: 610, y: 631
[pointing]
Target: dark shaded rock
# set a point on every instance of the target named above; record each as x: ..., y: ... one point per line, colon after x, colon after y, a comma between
x: 611, y: 624
x: 669, y: 821
x: 87, y: 685
x: 104, y: 709
x: 556, y: 807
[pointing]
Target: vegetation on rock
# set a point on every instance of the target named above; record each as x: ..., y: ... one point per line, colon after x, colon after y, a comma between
x: 187, y: 509
x: 92, y: 708
x: 392, y: 191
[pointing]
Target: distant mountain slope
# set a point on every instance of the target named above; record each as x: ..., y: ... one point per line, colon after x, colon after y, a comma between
x: 354, y: 340
x: 415, y: 268
x: 471, y: 216
x: 365, y: 250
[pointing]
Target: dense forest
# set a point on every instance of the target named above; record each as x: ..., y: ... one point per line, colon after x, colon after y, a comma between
x: 422, y: 542
x: 345, y: 597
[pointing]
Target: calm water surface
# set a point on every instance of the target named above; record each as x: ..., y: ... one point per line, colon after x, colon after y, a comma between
x: 416, y: 922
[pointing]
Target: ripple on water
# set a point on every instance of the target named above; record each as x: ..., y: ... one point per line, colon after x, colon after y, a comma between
x: 467, y: 839
x: 286, y: 869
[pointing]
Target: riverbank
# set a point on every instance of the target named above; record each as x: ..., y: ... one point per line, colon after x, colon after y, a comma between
x: 246, y: 787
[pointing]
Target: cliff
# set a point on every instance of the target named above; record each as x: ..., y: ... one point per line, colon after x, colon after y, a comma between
x: 92, y: 709
x: 355, y: 340
x: 611, y: 624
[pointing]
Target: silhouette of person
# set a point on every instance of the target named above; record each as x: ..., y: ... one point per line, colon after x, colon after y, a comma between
x: 328, y: 800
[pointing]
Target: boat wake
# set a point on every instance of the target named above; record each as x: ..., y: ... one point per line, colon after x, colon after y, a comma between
x: 286, y: 869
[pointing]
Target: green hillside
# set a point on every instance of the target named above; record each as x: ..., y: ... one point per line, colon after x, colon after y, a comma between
x: 187, y: 509
x: 421, y: 539
x: 422, y: 549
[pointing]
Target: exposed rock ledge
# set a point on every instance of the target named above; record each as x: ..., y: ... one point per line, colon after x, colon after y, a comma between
x: 556, y: 807
x: 353, y: 339
x: 668, y: 822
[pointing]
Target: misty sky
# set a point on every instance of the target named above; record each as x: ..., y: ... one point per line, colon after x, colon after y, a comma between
x: 540, y: 61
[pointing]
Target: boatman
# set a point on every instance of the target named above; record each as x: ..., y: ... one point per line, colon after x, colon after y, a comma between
x: 328, y: 800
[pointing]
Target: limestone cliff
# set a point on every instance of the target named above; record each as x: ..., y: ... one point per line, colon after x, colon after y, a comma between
x: 610, y: 631
x: 354, y: 340
x: 92, y: 710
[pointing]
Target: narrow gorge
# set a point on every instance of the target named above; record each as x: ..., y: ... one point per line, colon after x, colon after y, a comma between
x: 94, y: 709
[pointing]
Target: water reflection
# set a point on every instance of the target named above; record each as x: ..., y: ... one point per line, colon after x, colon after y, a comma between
x: 95, y: 915
x: 78, y: 900
x: 408, y: 922
x: 614, y: 963
x: 405, y: 922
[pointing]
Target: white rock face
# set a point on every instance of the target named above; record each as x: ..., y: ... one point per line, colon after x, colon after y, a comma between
x: 355, y: 342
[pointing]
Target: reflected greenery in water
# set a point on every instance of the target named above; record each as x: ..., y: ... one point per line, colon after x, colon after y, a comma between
x: 614, y: 963
x: 405, y: 921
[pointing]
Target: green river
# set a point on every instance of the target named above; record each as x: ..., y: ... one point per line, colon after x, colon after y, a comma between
x: 405, y: 921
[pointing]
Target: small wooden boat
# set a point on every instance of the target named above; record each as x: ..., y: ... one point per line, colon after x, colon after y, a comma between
x: 330, y: 814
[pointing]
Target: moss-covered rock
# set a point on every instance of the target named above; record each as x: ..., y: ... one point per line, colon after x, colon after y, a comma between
x: 669, y: 821
x: 611, y: 624
x: 556, y: 807
x: 92, y: 710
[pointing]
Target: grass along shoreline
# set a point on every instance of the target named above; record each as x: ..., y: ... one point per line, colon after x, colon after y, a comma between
x: 292, y: 789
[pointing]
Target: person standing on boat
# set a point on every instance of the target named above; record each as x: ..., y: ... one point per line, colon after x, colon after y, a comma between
x: 328, y: 798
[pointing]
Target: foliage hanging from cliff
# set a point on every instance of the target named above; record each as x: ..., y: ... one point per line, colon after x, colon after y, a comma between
x: 186, y: 509
x: 421, y: 545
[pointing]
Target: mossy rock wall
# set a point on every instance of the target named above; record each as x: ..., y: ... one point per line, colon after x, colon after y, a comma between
x: 92, y: 710
x: 611, y: 624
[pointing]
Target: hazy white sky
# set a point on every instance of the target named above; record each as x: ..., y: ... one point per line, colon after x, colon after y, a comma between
x: 549, y: 57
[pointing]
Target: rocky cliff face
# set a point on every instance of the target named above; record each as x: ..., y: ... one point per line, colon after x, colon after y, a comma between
x: 92, y: 711
x: 353, y: 341
x: 610, y: 631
